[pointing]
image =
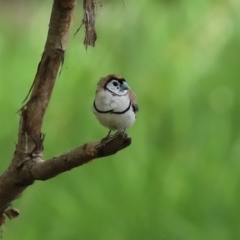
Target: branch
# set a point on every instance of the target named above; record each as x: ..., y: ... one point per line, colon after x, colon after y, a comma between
x: 44, y: 170
x: 89, y: 16
x: 28, y: 164
x: 53, y: 56
x: 30, y: 139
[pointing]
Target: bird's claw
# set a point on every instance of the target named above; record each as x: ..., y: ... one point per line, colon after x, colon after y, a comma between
x: 105, y: 139
x: 120, y: 132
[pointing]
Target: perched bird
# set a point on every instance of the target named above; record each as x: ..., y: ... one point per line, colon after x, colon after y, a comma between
x: 115, y: 105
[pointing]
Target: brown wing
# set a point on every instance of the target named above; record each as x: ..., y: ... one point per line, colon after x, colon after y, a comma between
x: 133, y: 100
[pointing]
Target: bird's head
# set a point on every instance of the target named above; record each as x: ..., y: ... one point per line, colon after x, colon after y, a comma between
x: 115, y: 84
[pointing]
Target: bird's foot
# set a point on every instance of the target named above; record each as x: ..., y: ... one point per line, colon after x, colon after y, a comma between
x: 107, y: 137
x: 120, y: 132
x: 110, y: 136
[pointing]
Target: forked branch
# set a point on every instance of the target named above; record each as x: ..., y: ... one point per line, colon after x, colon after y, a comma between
x: 28, y: 164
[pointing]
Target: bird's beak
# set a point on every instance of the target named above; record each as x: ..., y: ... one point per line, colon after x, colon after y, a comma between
x: 124, y: 86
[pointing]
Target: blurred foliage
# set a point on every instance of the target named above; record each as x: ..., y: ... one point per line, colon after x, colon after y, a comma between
x: 179, y: 180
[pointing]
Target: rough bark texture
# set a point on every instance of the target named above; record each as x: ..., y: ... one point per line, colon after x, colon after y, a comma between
x: 89, y: 16
x: 28, y: 164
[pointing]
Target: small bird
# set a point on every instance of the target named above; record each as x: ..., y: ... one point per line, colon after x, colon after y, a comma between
x: 115, y: 105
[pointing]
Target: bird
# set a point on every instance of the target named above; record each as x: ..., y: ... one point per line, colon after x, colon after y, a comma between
x: 115, y: 105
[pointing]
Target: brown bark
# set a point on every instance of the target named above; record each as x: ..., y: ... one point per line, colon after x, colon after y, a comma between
x: 89, y: 16
x: 28, y: 164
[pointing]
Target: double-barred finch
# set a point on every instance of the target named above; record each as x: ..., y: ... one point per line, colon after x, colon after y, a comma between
x: 115, y: 105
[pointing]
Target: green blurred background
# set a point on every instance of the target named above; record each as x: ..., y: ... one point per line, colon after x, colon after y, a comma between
x: 180, y: 178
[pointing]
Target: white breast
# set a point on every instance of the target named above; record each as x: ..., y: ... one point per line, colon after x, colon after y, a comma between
x: 105, y: 101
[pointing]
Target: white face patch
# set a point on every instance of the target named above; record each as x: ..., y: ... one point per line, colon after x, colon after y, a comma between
x: 115, y: 87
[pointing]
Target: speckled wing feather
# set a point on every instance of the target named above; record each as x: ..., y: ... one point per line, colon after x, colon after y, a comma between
x: 133, y: 100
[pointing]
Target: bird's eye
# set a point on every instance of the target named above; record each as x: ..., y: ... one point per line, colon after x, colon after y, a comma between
x: 115, y: 84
